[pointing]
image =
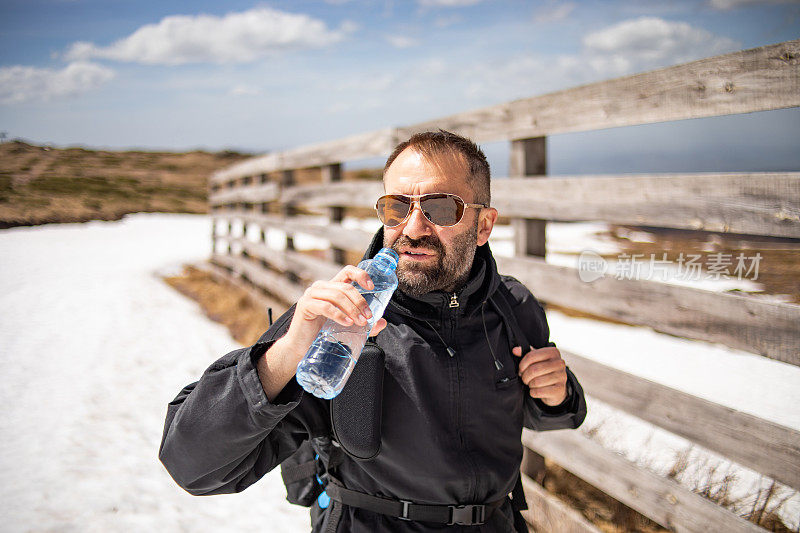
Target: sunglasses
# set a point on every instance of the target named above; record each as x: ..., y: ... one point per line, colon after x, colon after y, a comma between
x: 442, y: 209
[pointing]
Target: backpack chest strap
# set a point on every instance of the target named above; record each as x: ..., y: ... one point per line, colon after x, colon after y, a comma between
x: 468, y: 515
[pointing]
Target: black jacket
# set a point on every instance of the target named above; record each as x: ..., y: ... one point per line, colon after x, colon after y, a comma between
x: 451, y: 424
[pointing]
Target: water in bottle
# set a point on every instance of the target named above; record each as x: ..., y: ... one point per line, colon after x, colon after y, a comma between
x: 333, y: 354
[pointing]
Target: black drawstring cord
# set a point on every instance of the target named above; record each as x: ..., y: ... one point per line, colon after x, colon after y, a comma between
x: 497, y: 363
x: 451, y: 352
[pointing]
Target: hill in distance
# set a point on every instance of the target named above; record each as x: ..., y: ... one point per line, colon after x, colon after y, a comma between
x: 40, y: 184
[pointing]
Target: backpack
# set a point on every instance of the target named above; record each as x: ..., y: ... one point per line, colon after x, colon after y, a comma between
x: 355, y: 424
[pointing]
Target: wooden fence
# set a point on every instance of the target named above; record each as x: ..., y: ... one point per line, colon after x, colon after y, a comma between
x: 265, y: 193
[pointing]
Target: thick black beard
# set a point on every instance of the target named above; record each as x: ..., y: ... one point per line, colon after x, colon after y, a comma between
x: 452, y: 267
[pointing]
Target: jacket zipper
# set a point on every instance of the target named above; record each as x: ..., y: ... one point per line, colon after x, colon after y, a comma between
x: 453, y: 305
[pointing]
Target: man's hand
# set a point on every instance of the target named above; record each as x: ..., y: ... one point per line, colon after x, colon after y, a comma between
x: 336, y: 299
x: 545, y: 372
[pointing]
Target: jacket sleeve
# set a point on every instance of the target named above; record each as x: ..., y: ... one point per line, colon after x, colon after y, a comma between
x: 221, y: 433
x: 533, y: 321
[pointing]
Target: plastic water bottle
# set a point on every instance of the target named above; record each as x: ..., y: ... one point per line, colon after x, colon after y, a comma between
x: 333, y: 354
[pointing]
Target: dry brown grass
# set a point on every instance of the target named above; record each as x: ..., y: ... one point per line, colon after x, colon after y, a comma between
x: 40, y: 185
x: 712, y: 480
x: 715, y: 481
x: 597, y: 507
x: 226, y: 303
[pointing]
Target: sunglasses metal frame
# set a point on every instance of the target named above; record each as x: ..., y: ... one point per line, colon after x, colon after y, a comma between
x: 416, y: 200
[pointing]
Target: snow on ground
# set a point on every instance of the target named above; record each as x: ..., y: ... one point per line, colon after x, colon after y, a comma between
x: 95, y: 345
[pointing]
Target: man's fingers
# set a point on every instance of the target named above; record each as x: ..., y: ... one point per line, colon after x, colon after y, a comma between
x: 551, y: 395
x: 355, y: 297
x: 544, y: 376
x: 334, y: 301
x: 322, y: 308
x: 343, y: 302
x: 352, y: 273
x: 342, y: 295
x: 536, y: 356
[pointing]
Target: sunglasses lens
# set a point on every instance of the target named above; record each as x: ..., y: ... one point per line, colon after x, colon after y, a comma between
x: 442, y: 210
x: 392, y: 210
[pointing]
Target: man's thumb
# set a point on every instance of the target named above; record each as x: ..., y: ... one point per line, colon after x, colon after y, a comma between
x: 517, y: 350
x: 378, y: 327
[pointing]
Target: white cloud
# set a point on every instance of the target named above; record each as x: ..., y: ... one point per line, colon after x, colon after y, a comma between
x: 731, y: 4
x: 447, y: 3
x: 400, y: 41
x: 632, y: 46
x: 650, y: 42
x: 554, y: 12
x: 434, y: 87
x: 244, y: 90
x: 234, y: 38
x: 20, y: 84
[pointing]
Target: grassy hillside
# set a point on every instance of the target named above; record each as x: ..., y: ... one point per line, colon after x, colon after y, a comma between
x: 39, y: 184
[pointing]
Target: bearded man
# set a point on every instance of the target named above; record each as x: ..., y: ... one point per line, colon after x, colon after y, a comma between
x: 468, y: 362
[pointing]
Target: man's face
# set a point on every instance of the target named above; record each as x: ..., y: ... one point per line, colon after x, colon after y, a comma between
x: 434, y: 257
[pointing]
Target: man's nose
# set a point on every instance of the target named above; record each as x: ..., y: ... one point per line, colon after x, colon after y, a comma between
x: 416, y: 224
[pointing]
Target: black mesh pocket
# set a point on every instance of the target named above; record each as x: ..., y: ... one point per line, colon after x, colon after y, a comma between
x: 356, y: 411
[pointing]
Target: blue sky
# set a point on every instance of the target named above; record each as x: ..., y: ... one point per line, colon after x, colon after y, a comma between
x: 267, y: 75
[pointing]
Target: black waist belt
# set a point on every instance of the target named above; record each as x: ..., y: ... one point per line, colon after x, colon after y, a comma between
x: 467, y: 515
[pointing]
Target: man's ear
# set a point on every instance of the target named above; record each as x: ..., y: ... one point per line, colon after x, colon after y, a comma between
x: 486, y: 220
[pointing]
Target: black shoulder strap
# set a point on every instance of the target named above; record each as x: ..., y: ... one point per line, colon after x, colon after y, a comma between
x: 501, y: 299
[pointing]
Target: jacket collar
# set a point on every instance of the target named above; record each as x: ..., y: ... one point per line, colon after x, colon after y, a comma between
x: 482, y: 282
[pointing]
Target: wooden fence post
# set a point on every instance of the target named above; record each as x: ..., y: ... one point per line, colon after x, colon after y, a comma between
x: 230, y: 236
x: 287, y: 180
x: 213, y: 235
x: 264, y: 206
x: 331, y: 174
x: 529, y: 158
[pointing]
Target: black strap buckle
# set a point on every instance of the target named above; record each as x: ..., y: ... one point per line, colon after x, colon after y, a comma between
x: 467, y: 515
x: 404, y: 512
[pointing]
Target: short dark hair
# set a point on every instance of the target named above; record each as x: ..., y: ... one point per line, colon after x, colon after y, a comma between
x: 432, y: 143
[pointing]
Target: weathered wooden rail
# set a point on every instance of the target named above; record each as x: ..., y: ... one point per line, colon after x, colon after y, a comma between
x: 261, y: 194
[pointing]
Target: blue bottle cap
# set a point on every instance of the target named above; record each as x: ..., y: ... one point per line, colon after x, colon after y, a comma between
x: 389, y: 254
